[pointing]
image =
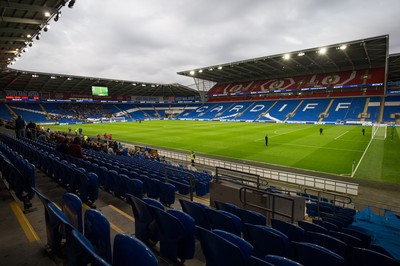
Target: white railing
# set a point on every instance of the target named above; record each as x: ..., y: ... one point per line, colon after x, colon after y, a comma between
x: 282, y: 176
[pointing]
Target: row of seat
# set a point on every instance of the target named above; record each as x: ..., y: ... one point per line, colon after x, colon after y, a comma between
x: 19, y: 174
x: 87, y: 238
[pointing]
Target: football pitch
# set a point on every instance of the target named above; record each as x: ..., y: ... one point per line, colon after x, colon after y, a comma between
x: 339, y: 150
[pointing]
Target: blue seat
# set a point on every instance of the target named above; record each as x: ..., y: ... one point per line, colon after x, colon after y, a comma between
x: 226, y: 206
x: 97, y: 231
x: 197, y: 212
x: 167, y: 193
x: 252, y: 217
x: 331, y: 243
x: 145, y: 224
x: 358, y: 233
x: 280, y: 261
x: 292, y: 231
x: 219, y: 251
x: 71, y: 206
x: 134, y: 187
x: 245, y: 247
x: 367, y: 257
x: 225, y: 221
x: 54, y: 219
x: 91, y: 188
x: 131, y: 251
x: 313, y: 255
x: 350, y: 240
x: 81, y: 252
x: 109, y: 181
x: 267, y: 241
x: 120, y: 185
x: 176, y: 231
x: 311, y: 227
x: 154, y: 203
x: 327, y: 225
x: 153, y: 188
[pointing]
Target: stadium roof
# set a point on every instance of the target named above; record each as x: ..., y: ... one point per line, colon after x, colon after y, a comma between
x: 22, y: 22
x: 359, y: 54
x: 58, y: 83
x: 394, y: 68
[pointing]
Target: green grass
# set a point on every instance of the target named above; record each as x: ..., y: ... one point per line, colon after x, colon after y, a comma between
x: 293, y: 145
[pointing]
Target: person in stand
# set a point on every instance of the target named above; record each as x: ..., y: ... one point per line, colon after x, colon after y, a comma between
x: 32, y: 127
x: 363, y: 131
x: 20, y: 127
x: 80, y: 131
x: 75, y: 149
x: 192, y: 157
x: 69, y: 130
x: 98, y: 137
x: 321, y: 131
x: 266, y: 140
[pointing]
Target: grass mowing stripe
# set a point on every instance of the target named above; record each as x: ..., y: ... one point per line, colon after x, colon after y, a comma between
x: 293, y: 145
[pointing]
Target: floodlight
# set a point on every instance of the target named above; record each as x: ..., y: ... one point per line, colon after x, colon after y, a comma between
x: 322, y: 50
x: 286, y: 56
x: 71, y: 3
x: 191, y: 72
x: 201, y: 71
x: 300, y: 54
x: 47, y: 14
x: 343, y: 47
x: 220, y: 67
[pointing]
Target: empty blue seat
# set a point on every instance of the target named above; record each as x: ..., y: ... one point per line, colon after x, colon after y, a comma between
x: 313, y: 255
x: 331, y: 243
x: 176, y: 234
x: 225, y: 221
x: 280, y: 261
x: 167, y: 193
x: 219, y: 251
x: 197, y: 212
x: 97, y: 230
x: 81, y: 252
x: 145, y: 224
x: 292, y: 231
x: 71, y: 206
x: 131, y: 251
x: 267, y: 241
x: 226, y: 206
x: 311, y: 227
x: 367, y: 257
x: 134, y: 187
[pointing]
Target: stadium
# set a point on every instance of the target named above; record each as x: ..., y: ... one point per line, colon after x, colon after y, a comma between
x: 297, y: 149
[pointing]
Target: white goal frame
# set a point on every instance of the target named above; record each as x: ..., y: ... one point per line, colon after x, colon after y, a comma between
x: 379, y: 131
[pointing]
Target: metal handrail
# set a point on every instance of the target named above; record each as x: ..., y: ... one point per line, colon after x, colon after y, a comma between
x: 243, y: 199
x: 240, y: 177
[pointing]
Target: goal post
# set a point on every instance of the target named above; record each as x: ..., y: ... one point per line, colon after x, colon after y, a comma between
x: 379, y: 131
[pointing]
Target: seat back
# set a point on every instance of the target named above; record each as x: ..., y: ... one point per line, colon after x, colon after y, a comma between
x: 81, y: 252
x: 292, y: 231
x: 131, y: 251
x: 219, y: 251
x: 226, y: 206
x: 71, y: 206
x: 97, y: 231
x: 245, y: 247
x: 280, y: 261
x: 197, y: 211
x: 367, y: 257
x: 145, y: 224
x: 224, y: 221
x: 314, y: 255
x: 267, y: 240
x: 330, y: 243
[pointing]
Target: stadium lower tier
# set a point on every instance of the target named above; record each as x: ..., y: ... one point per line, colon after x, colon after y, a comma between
x: 315, y: 110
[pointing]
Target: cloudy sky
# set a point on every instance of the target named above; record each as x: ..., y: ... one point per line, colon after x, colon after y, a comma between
x: 152, y: 40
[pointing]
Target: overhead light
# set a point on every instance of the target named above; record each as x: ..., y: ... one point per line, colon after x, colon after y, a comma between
x: 201, y: 71
x: 28, y: 36
x: 71, y: 3
x: 46, y: 28
x: 47, y: 14
x: 300, y: 54
x: 143, y: 85
x: 53, y: 77
x: 134, y: 84
x: 286, y: 56
x: 35, y: 76
x: 211, y: 69
x: 343, y: 47
x: 58, y: 16
x: 191, y: 72
x: 220, y: 67
x: 322, y: 50
x: 69, y: 78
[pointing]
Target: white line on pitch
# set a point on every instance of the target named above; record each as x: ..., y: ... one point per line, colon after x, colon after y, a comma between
x: 362, y: 157
x: 341, y: 135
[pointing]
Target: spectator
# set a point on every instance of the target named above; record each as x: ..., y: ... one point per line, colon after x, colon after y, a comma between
x: 75, y: 149
x: 20, y: 127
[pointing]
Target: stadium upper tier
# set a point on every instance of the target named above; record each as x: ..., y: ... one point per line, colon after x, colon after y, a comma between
x: 353, y: 110
x: 365, y: 78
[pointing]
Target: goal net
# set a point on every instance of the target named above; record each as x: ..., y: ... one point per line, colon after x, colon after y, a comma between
x: 379, y: 131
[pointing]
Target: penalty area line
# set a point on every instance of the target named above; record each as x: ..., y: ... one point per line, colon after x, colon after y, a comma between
x: 362, y: 157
